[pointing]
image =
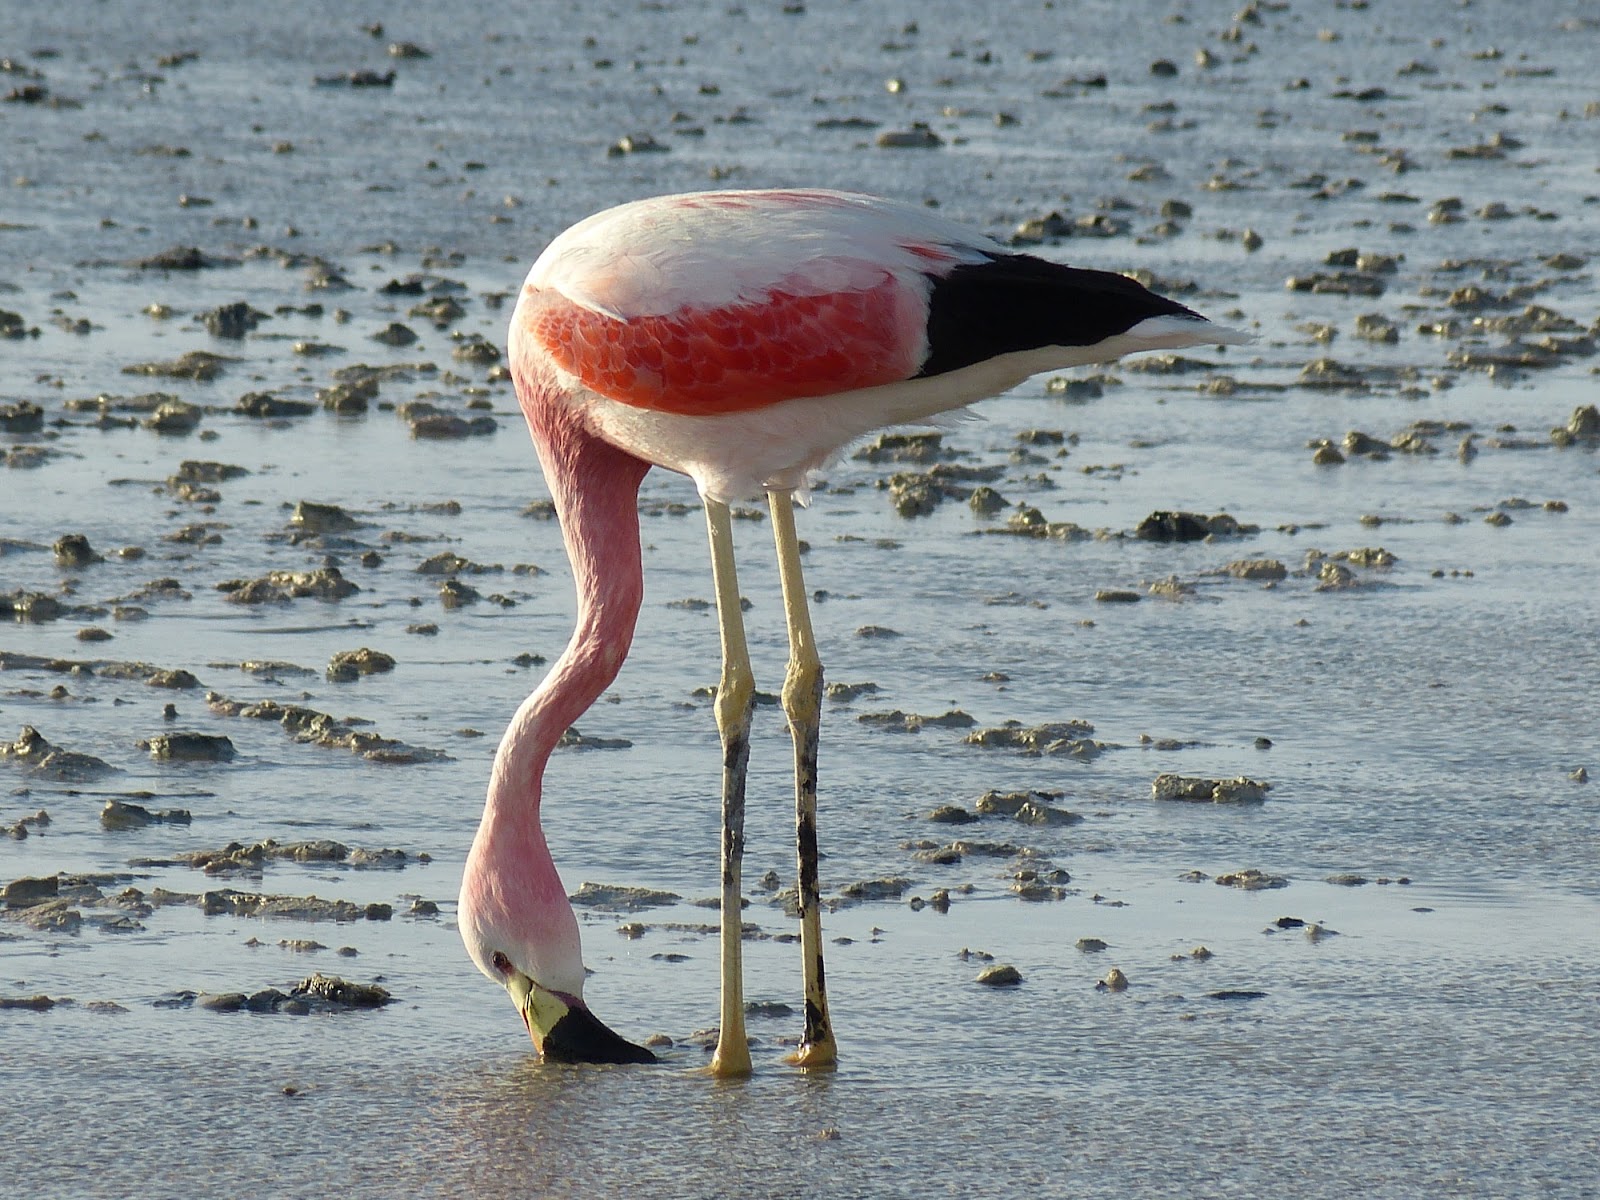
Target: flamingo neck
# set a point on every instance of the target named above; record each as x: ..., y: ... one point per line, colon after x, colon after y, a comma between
x: 595, y: 487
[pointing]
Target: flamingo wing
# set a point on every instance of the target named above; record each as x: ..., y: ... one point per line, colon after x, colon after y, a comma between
x: 729, y: 301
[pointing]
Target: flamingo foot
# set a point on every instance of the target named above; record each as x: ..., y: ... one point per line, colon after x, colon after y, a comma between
x: 730, y: 1061
x: 820, y: 1055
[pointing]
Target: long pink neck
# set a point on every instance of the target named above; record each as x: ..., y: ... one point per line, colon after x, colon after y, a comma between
x: 595, y: 487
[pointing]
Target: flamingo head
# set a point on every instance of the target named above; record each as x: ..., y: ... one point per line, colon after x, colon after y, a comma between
x: 527, y: 941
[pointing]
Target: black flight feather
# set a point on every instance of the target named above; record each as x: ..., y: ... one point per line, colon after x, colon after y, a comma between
x: 1014, y: 302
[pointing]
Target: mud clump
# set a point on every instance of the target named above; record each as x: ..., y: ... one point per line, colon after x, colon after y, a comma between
x: 915, y: 494
x: 316, y: 519
x: 889, y: 888
x: 1114, y: 981
x: 918, y: 447
x: 918, y: 137
x: 1333, y: 577
x: 1252, y: 880
x: 180, y: 258
x: 42, y: 912
x: 173, y: 679
x: 349, y: 397
x: 193, y: 470
x: 985, y: 501
x: 266, y: 406
x: 232, y: 321
x: 1367, y: 556
x: 443, y: 426
x: 189, y: 747
x: 342, y: 992
x: 348, y: 665
x: 615, y: 898
x: 999, y: 975
x: 197, y: 366
x: 441, y: 310
x: 1054, y: 737
x: 362, y: 78
x: 1268, y: 570
x: 240, y: 858
x: 52, y: 762
x: 72, y: 551
x: 1375, y: 327
x: 1238, y: 790
x: 322, y: 729
x: 915, y: 722
x: 1583, y: 428
x: 1009, y: 804
x: 1034, y: 813
x: 31, y: 608
x: 1189, y: 527
x: 572, y: 739
x: 447, y: 562
x: 395, y: 334
x: 26, y: 892
x: 476, y: 350
x: 843, y: 693
x: 39, y: 1003
x: 121, y: 816
x: 1337, y: 283
x: 318, y: 993
x: 280, y: 587
x: 24, y: 416
x: 295, y: 908
x: 18, y: 830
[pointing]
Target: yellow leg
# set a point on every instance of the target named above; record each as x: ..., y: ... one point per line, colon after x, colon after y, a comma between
x: 802, y: 702
x: 735, y: 698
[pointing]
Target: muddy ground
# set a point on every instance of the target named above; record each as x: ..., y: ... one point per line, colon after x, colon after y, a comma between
x: 1206, y: 760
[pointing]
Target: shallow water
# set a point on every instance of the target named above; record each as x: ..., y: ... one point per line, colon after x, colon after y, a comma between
x: 1425, y: 728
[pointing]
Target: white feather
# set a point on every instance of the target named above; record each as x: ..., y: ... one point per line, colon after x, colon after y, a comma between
x: 712, y: 249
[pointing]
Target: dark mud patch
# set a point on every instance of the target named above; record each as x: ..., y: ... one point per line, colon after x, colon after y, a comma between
x: 349, y: 665
x: 47, y: 761
x: 323, y: 729
x: 1251, y: 879
x: 615, y: 898
x: 315, y: 994
x: 1238, y: 790
x: 280, y: 587
x: 251, y: 858
x: 1052, y: 738
x: 905, y: 722
x: 36, y: 1003
x: 228, y: 902
x: 1167, y: 526
x: 122, y: 815
x: 189, y: 747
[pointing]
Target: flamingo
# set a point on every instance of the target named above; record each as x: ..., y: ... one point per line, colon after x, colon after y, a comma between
x: 741, y: 338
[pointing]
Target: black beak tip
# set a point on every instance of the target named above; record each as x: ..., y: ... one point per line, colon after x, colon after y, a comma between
x: 581, y: 1037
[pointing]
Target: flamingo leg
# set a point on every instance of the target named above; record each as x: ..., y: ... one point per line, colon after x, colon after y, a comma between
x: 735, y: 699
x: 802, y: 702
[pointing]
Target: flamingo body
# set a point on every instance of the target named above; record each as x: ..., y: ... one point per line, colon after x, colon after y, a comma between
x: 741, y: 338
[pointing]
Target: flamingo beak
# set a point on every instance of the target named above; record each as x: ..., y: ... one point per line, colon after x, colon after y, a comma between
x: 564, y: 1030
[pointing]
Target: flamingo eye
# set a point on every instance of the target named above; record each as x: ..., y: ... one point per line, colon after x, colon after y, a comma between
x: 501, y: 962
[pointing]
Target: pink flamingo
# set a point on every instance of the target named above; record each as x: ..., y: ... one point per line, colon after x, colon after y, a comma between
x: 741, y: 338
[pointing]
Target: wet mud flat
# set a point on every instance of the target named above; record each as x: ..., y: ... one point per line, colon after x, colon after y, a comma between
x: 1205, y: 733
